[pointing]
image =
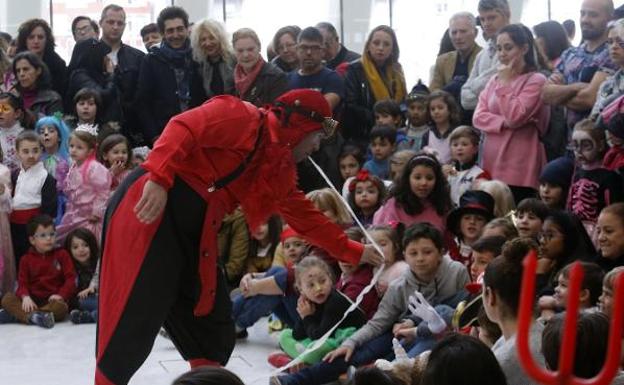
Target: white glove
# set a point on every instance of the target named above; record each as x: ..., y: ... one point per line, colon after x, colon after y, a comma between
x: 419, y: 307
x: 400, y: 358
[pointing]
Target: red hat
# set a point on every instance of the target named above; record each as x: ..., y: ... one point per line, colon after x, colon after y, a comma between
x: 288, y: 233
x: 302, y: 111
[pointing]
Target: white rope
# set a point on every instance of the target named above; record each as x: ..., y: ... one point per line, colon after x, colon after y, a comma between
x: 319, y: 342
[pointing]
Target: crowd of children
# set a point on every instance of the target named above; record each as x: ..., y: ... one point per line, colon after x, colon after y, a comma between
x: 453, y: 240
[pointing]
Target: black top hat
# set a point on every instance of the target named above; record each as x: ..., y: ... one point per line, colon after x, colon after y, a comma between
x: 472, y: 201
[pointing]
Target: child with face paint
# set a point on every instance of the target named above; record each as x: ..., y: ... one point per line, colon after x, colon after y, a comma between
x: 593, y: 186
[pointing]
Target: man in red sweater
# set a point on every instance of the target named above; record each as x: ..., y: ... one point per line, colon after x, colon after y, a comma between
x: 46, y: 279
x: 159, y: 266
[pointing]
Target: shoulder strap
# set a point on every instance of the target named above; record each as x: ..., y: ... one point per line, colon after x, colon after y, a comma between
x: 229, y: 178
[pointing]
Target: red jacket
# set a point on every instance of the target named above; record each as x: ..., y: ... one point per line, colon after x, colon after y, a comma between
x: 203, y: 145
x: 41, y: 275
x: 353, y: 285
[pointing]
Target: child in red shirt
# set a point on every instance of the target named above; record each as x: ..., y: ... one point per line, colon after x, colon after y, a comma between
x: 46, y: 279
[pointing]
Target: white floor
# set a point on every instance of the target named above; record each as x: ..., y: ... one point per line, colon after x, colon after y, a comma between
x: 64, y: 355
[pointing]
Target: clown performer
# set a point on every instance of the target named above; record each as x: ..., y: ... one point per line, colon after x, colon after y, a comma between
x: 159, y: 265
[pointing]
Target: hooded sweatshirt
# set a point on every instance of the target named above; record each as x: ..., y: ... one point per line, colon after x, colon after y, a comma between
x: 450, y: 278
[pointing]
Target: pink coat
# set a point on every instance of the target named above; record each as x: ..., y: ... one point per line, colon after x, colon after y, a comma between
x: 513, y: 116
x: 390, y: 212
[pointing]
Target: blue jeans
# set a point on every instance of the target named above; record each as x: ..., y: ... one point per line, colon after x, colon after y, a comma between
x: 89, y: 304
x: 324, y: 372
x: 246, y: 311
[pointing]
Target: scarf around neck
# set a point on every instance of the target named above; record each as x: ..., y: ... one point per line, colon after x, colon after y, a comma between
x: 243, y: 81
x: 390, y: 85
x: 178, y: 57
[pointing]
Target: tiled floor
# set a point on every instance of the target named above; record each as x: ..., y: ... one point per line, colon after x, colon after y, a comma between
x: 64, y: 355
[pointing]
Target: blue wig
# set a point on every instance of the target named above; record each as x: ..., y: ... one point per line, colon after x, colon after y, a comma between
x: 61, y: 128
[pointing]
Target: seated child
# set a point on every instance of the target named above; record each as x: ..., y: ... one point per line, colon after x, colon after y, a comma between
x: 320, y: 307
x: 502, y: 227
x: 208, y: 375
x: 417, y: 116
x: 387, y: 237
x: 83, y: 248
x: 555, y: 181
x: 139, y: 155
x: 614, y: 158
x: 484, y: 250
x: 35, y: 190
x: 114, y: 154
x: 592, y: 340
x: 463, y: 172
x: 87, y: 103
x: 530, y: 217
x: 591, y: 288
x: 388, y: 113
x: 272, y: 291
x: 593, y: 186
x: 366, y: 194
x: 444, y: 116
x: 382, y: 145
x: 46, y: 279
x: 262, y: 244
x: 350, y: 161
x: 466, y: 224
x: 7, y: 259
x: 605, y: 302
x: 436, y: 277
x: 398, y: 160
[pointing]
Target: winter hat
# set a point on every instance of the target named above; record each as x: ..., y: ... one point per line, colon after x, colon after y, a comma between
x: 288, y: 233
x: 419, y: 92
x: 558, y: 172
x: 473, y: 202
x: 616, y: 126
x: 302, y: 111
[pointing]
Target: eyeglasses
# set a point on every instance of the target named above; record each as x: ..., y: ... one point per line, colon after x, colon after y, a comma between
x: 51, y: 234
x: 616, y: 40
x: 282, y: 47
x: 306, y: 48
x: 85, y: 29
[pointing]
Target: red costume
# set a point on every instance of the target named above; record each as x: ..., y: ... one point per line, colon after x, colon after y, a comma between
x: 211, y: 158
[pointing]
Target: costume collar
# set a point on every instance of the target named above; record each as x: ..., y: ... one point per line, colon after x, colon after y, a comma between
x: 465, y: 166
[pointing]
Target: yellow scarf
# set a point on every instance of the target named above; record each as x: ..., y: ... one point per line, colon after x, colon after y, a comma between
x: 392, y: 86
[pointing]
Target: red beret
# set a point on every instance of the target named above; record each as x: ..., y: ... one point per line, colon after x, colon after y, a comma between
x: 289, y: 233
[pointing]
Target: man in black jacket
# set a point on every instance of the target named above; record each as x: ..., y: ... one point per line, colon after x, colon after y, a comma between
x: 335, y: 53
x: 127, y: 61
x: 169, y: 82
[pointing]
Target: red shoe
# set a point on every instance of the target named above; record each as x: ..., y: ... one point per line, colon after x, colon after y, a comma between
x: 279, y: 359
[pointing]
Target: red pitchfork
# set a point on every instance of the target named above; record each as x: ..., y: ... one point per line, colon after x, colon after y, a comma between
x: 564, y: 375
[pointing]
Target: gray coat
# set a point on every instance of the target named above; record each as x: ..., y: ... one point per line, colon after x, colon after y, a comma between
x: 450, y: 278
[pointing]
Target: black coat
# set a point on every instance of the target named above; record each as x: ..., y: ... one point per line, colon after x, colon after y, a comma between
x: 87, y: 71
x: 357, y: 117
x: 157, y: 98
x: 270, y: 83
x: 58, y: 71
x: 129, y: 61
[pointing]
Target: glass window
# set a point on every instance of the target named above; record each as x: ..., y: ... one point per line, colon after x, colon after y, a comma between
x: 267, y: 16
x: 420, y: 26
x: 138, y: 14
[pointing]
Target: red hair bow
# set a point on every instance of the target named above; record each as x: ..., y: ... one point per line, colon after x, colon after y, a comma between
x: 361, y: 176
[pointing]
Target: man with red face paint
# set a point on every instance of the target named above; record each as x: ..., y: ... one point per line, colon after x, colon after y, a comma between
x: 159, y: 264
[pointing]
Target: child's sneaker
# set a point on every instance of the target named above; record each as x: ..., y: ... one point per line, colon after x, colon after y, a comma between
x: 275, y: 324
x: 279, y: 359
x: 80, y: 316
x: 43, y: 319
x: 6, y: 317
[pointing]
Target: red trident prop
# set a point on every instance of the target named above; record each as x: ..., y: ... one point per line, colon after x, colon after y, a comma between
x: 564, y: 375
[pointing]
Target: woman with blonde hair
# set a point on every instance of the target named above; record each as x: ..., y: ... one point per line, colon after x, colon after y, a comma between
x: 503, y: 197
x: 255, y: 80
x: 212, y: 50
